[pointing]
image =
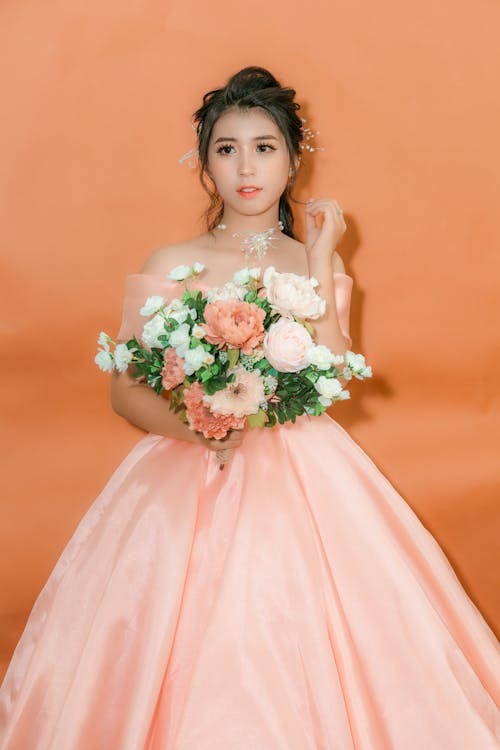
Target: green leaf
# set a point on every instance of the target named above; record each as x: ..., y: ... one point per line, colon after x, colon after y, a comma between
x: 257, y: 420
x: 233, y: 356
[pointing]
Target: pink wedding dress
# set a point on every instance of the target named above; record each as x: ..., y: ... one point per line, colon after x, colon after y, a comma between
x: 293, y: 601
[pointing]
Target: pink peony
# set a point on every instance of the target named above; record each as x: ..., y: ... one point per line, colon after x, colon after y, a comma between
x: 285, y: 345
x: 242, y: 396
x: 172, y: 373
x: 291, y: 294
x: 237, y: 324
x: 201, y: 419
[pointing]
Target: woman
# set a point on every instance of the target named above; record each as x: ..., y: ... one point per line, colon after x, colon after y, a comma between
x: 293, y: 600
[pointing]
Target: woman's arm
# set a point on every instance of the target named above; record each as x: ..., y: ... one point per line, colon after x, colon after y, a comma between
x: 140, y: 405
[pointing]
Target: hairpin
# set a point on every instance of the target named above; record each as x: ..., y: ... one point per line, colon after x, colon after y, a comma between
x: 307, y: 133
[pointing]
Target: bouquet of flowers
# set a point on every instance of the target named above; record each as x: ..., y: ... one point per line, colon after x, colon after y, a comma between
x: 236, y: 354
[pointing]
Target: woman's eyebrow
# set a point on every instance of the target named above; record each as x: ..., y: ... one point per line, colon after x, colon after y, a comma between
x: 257, y: 138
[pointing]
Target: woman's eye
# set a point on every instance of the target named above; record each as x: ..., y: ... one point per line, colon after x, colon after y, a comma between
x: 226, y: 149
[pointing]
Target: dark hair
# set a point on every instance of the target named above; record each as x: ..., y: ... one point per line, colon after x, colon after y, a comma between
x: 252, y: 86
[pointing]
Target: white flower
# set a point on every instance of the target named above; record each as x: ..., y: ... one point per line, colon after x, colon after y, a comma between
x: 103, y: 340
x: 122, y: 356
x: 291, y: 294
x: 180, y: 339
x: 198, y: 331
x: 192, y: 312
x: 152, y: 329
x: 152, y: 305
x: 198, y: 267
x: 357, y: 365
x: 104, y: 360
x: 227, y: 291
x: 177, y: 310
x: 244, y: 276
x: 180, y: 273
x: 328, y: 388
x: 322, y: 357
x: 195, y: 358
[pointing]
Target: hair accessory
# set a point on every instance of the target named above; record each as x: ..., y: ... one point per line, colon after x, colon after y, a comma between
x: 304, y: 145
x: 256, y: 243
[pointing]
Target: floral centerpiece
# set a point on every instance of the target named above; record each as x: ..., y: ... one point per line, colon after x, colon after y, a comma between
x: 238, y: 354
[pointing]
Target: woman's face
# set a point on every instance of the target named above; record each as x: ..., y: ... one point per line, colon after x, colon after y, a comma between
x: 248, y: 149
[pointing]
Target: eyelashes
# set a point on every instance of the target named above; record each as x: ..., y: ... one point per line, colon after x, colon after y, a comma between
x: 221, y: 150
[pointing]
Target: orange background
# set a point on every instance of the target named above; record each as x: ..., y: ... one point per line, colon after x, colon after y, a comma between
x: 95, y: 113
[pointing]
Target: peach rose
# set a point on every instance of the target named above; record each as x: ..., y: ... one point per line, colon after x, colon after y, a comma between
x: 238, y: 324
x: 285, y: 346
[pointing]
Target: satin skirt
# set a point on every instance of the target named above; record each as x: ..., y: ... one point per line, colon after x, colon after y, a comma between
x: 293, y: 601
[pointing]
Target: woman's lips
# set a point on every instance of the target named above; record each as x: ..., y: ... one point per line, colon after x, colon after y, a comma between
x: 249, y: 193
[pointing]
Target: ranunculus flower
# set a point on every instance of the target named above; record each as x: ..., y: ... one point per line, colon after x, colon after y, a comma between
x: 241, y: 396
x: 286, y: 344
x: 291, y: 294
x: 329, y: 388
x: 203, y: 420
x: 172, y: 373
x: 239, y: 325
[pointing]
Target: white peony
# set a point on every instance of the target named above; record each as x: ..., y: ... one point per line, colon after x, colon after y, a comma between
x: 322, y: 357
x: 179, y: 273
x: 195, y: 358
x: 152, y: 305
x: 291, y: 294
x: 123, y: 356
x: 104, y: 360
x: 180, y: 339
x: 152, y: 329
x: 227, y: 291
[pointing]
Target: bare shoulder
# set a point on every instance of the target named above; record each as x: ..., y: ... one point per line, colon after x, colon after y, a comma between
x: 164, y: 258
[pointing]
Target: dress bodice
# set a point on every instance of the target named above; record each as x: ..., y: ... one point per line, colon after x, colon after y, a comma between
x: 140, y: 286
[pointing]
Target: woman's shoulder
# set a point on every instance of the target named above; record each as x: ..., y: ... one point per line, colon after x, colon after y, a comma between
x: 161, y: 259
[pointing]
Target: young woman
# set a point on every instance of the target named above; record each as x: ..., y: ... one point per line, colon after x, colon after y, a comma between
x: 293, y: 601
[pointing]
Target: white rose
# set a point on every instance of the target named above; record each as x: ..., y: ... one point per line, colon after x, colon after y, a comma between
x: 322, y: 357
x: 198, y: 331
x: 152, y: 305
x: 104, y: 360
x: 152, y: 329
x: 195, y: 358
x: 180, y: 339
x: 229, y: 290
x: 123, y: 356
x: 357, y: 365
x: 291, y: 294
x: 328, y: 388
x: 179, y: 273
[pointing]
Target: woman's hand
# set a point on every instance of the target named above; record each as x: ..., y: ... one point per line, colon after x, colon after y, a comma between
x: 223, y: 447
x: 322, y: 241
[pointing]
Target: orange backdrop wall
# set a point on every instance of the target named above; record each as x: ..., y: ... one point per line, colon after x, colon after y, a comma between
x: 95, y: 113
